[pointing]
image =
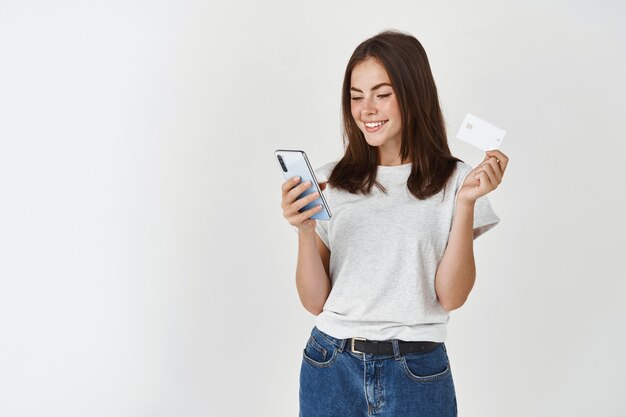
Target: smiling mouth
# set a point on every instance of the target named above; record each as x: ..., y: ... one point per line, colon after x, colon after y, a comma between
x: 375, y: 124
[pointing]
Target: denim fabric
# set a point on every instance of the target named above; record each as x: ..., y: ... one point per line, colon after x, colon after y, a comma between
x: 336, y: 382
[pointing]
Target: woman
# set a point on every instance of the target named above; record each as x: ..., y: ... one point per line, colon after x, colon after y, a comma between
x: 397, y: 256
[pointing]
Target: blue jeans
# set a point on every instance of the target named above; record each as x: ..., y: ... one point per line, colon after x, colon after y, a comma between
x: 336, y: 382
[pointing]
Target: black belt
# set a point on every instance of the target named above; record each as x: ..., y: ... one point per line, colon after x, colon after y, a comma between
x: 359, y: 345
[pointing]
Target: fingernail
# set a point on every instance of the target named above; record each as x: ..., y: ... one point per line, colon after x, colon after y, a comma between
x: 296, y: 179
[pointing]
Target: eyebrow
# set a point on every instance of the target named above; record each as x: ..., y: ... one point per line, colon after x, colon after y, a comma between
x: 377, y: 86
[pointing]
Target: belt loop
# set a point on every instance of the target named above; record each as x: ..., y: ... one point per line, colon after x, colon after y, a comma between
x: 342, y: 345
x: 396, y: 349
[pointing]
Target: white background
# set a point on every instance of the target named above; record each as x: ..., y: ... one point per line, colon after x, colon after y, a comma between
x: 146, y: 268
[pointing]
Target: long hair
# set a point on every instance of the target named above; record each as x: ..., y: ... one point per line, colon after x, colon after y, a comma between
x: 423, y: 131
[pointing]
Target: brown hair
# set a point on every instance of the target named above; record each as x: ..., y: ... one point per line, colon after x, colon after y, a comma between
x: 423, y: 132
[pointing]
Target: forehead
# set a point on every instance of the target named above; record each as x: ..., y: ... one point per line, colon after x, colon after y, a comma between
x: 368, y: 73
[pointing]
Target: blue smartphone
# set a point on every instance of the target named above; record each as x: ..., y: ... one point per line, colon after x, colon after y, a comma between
x: 294, y: 163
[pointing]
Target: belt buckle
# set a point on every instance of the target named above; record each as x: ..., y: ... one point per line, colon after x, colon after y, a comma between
x: 352, y: 344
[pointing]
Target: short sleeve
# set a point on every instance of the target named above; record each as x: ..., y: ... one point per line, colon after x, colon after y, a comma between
x: 485, y: 218
x: 321, y: 228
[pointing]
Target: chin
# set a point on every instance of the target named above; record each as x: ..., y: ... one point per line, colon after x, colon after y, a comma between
x: 375, y: 142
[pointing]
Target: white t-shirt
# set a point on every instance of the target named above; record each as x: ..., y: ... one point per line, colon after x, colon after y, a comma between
x: 384, y: 253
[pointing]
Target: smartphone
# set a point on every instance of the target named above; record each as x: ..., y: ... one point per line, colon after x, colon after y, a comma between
x: 294, y: 163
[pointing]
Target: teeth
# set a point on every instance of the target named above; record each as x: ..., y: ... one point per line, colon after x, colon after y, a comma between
x: 375, y: 124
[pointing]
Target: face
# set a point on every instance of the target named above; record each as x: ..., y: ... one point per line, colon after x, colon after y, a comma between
x: 374, y: 105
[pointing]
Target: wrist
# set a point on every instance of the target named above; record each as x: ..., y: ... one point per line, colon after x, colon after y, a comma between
x: 466, y: 203
x: 306, y: 233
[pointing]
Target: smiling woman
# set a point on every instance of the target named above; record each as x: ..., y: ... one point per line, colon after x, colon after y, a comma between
x: 391, y: 116
x: 376, y: 112
x: 383, y: 273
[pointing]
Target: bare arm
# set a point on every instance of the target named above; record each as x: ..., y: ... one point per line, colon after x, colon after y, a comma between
x: 312, y: 271
x: 457, y: 271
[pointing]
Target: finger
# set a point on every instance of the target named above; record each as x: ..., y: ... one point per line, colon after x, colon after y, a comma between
x: 292, y: 195
x: 502, y: 158
x: 294, y: 207
x: 497, y: 164
x: 497, y: 153
x: 308, y: 213
x: 301, y: 202
x: 289, y: 184
x: 493, y: 177
x: 288, y: 196
x: 296, y: 191
x: 487, y: 176
x: 483, y: 181
x: 493, y: 163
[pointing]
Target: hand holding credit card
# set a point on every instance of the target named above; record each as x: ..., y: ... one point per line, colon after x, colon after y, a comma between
x: 480, y: 133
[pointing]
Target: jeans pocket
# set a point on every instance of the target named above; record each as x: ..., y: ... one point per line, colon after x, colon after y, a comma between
x: 319, y: 352
x: 426, y: 367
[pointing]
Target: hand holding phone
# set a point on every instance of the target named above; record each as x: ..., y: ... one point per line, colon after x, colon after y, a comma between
x: 302, y: 199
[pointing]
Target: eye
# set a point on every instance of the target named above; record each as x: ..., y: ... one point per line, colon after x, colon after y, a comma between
x: 356, y: 98
x: 384, y: 95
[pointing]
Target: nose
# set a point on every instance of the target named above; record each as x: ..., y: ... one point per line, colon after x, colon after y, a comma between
x: 368, y: 107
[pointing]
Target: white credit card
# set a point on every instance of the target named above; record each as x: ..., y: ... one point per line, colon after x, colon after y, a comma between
x: 480, y: 133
